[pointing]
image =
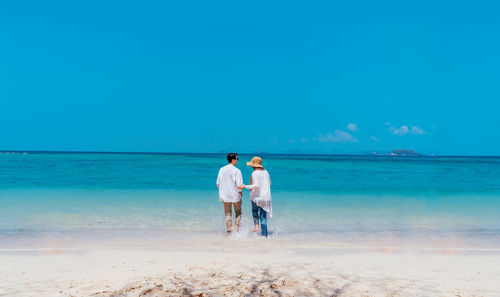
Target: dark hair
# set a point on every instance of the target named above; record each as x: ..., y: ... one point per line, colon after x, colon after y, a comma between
x: 231, y: 157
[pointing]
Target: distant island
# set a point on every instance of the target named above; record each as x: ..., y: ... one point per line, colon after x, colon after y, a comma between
x: 404, y: 153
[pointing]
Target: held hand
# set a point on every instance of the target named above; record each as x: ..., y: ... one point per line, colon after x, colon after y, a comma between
x: 242, y: 187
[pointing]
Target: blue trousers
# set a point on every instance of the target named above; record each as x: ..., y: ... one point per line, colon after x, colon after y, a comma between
x: 259, y: 214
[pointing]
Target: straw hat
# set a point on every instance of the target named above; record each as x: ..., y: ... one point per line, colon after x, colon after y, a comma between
x: 255, y: 162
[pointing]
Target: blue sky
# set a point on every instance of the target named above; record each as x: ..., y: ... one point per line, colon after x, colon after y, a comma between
x: 257, y: 76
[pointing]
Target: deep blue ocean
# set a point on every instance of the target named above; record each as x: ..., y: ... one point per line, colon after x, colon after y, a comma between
x: 363, y: 200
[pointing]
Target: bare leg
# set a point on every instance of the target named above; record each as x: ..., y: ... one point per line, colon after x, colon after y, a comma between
x: 229, y: 216
x: 237, y: 211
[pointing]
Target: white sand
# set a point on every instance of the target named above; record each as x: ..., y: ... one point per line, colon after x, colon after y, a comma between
x: 243, y: 270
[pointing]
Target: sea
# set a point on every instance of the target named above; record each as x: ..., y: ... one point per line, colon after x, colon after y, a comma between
x: 50, y: 199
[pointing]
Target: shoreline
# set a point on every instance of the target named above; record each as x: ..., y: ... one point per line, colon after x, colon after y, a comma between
x: 331, y: 250
x: 215, y: 240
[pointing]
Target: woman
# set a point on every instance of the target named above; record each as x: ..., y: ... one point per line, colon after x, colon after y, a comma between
x: 260, y: 195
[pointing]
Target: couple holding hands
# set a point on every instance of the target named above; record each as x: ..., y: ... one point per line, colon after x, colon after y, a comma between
x: 230, y: 184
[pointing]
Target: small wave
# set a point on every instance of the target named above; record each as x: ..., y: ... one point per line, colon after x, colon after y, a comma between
x: 13, y: 153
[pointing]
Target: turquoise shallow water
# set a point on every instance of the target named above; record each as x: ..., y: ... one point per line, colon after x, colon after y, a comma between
x: 429, y: 201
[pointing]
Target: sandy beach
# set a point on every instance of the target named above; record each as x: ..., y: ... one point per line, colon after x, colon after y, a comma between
x: 241, y: 269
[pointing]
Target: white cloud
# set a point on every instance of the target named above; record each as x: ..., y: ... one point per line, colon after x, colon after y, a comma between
x: 375, y: 139
x: 417, y: 131
x: 352, y: 127
x: 337, y: 136
x: 399, y: 131
x: 403, y: 130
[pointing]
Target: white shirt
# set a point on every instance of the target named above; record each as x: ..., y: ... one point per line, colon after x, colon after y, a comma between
x: 261, y: 190
x: 229, y: 181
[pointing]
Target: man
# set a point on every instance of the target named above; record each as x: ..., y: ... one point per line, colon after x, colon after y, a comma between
x: 230, y: 184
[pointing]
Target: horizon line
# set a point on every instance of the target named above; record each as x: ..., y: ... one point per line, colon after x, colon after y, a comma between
x: 222, y: 153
